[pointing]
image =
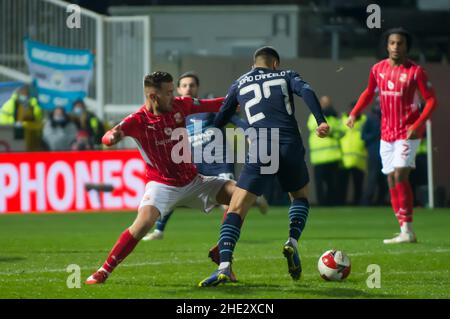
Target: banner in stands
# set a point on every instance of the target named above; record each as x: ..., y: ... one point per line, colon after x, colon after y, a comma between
x: 71, y: 181
x: 61, y: 75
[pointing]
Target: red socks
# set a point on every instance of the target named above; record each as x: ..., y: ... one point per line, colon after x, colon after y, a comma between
x: 405, y: 202
x: 394, y: 199
x: 123, y: 247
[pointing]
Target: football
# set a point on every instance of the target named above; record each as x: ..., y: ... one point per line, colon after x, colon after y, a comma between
x: 334, y: 265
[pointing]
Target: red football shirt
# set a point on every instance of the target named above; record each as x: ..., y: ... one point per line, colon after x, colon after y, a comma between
x: 399, y: 101
x: 153, y: 133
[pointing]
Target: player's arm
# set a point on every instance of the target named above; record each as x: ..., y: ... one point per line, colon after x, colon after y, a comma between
x: 228, y: 108
x: 128, y: 127
x: 206, y: 105
x: 239, y: 122
x: 429, y: 96
x: 304, y: 90
x: 364, y: 99
x: 113, y: 136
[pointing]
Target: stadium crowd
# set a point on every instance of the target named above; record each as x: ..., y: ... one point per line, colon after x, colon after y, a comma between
x: 58, y: 130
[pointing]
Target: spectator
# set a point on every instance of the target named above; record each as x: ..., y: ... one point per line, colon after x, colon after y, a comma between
x: 24, y: 113
x: 354, y: 157
x: 21, y: 107
x: 82, y: 142
x: 87, y: 122
x: 59, y: 131
x: 326, y: 155
x: 376, y: 189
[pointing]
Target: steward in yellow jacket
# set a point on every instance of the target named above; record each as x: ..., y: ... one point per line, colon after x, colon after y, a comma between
x: 325, y: 155
x: 354, y: 159
x: 21, y: 107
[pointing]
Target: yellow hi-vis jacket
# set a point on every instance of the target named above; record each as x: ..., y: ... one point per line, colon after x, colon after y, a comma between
x: 8, y: 111
x: 422, y: 147
x: 354, y: 152
x: 324, y: 150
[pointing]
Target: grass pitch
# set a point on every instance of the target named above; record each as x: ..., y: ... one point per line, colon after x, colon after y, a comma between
x: 35, y: 251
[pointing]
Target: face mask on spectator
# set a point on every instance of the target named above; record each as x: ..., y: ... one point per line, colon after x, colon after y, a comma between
x: 23, y: 99
x: 78, y: 111
x: 59, y: 119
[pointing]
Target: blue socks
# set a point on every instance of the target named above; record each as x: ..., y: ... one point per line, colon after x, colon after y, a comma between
x: 298, y: 215
x: 229, y: 235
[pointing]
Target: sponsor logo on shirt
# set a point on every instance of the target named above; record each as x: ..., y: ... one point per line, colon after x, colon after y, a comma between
x: 388, y: 93
x: 164, y: 142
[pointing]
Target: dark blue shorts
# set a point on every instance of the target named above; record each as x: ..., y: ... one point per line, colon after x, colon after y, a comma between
x: 292, y: 172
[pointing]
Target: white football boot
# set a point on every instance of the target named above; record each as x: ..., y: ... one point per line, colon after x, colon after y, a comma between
x: 403, y: 237
x: 156, y: 234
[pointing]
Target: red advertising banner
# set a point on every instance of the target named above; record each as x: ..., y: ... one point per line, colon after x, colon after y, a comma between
x: 56, y: 181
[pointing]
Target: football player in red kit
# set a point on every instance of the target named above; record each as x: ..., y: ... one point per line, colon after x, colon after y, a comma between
x: 171, y: 182
x: 402, y: 124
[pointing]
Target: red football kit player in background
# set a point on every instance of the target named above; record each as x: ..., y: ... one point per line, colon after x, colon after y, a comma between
x: 402, y: 124
x: 171, y: 182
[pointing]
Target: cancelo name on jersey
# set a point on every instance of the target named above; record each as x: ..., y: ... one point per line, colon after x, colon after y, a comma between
x: 263, y: 76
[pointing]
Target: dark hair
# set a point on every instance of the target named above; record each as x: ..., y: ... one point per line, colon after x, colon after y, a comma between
x: 402, y: 32
x: 266, y: 52
x: 189, y: 74
x: 155, y: 79
x: 66, y: 117
x: 79, y: 101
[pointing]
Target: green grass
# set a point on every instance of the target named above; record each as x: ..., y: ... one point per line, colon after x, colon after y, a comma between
x: 35, y: 251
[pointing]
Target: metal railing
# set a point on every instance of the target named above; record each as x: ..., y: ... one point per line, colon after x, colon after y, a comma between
x: 121, y: 46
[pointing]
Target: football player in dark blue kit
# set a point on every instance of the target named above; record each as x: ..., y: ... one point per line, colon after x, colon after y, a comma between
x: 266, y: 95
x: 199, y: 127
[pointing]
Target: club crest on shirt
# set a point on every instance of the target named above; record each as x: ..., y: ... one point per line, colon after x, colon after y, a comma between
x: 168, y: 131
x: 403, y: 77
x: 178, y: 118
x: 390, y: 85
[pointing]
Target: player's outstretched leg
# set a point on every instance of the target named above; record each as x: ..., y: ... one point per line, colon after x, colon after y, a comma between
x: 123, y: 247
x: 298, y: 215
x: 229, y: 235
x: 146, y: 218
x: 158, y: 233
